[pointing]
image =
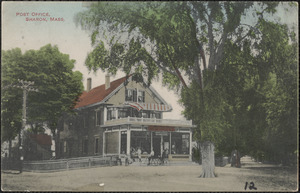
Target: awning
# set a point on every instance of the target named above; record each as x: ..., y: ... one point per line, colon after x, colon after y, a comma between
x: 149, y: 106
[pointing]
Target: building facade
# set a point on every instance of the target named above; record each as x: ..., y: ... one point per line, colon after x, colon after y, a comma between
x: 119, y: 117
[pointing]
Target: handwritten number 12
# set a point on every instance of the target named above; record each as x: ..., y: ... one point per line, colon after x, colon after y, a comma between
x: 251, y: 186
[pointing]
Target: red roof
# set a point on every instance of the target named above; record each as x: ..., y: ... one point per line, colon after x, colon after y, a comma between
x: 98, y: 93
x: 42, y: 139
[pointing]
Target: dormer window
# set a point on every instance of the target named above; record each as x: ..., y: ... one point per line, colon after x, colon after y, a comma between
x: 141, y: 96
x: 129, y: 95
x: 132, y: 95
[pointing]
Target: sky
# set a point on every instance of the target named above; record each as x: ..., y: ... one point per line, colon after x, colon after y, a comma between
x: 19, y: 31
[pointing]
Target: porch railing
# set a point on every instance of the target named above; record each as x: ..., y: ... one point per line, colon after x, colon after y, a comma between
x: 149, y: 121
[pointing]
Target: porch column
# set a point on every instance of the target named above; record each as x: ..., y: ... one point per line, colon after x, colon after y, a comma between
x: 191, y: 144
x: 105, y: 114
x: 119, y: 151
x: 117, y: 114
x: 128, y: 140
x: 103, y: 147
x: 161, y: 144
x: 151, y: 141
x: 170, y: 150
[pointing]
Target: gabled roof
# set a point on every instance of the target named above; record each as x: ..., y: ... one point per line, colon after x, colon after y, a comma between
x: 98, y: 93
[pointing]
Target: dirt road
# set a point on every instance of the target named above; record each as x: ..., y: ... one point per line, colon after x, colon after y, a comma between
x: 157, y: 178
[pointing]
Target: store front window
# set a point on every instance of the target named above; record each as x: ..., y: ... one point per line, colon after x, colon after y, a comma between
x: 141, y: 139
x: 180, y: 143
x: 112, y: 143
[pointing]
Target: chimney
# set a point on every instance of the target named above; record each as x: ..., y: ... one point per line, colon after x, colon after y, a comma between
x: 89, y: 84
x: 107, y: 81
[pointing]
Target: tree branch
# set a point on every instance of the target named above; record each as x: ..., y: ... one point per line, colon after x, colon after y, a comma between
x: 203, y: 57
x: 211, y: 46
x: 194, y: 34
x: 175, y: 68
x: 198, y: 69
x: 158, y: 63
x: 248, y: 33
x: 219, y: 52
x: 198, y: 14
x: 207, y: 21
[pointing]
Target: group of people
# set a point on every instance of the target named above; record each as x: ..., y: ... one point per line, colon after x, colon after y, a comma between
x: 162, y: 158
x: 151, y: 156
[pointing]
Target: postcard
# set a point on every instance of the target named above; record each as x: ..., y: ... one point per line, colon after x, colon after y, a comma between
x: 149, y: 96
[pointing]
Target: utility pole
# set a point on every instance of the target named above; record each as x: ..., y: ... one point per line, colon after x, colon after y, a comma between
x: 26, y: 86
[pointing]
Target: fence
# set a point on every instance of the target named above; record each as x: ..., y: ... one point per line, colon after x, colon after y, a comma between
x: 69, y: 164
x: 10, y: 164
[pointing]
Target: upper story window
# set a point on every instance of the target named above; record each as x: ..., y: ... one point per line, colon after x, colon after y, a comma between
x: 155, y: 115
x: 123, y: 112
x: 132, y: 95
x: 111, y: 113
x: 98, y: 118
x: 141, y: 96
x: 129, y: 94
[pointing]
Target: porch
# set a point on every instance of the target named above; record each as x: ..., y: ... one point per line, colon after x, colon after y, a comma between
x: 127, y: 139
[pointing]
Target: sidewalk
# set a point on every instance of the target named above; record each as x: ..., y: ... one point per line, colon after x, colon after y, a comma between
x: 175, y: 177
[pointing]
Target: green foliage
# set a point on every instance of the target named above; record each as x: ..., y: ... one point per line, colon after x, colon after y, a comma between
x: 280, y: 59
x: 251, y: 99
x: 59, y: 88
x: 248, y: 96
x: 11, y: 99
x: 158, y: 38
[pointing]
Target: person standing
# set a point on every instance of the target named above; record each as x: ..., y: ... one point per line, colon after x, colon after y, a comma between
x: 150, y: 156
x: 139, y: 152
x: 166, y: 154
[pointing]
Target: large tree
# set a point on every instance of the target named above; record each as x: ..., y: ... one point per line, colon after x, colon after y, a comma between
x: 59, y: 88
x: 278, y: 82
x: 173, y: 39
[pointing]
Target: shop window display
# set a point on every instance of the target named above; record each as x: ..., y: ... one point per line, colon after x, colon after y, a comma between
x: 180, y: 143
x: 141, y: 139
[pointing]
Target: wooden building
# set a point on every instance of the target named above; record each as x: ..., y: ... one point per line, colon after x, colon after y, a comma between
x: 121, y: 116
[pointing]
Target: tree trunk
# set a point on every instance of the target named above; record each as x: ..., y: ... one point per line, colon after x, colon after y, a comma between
x: 208, y: 160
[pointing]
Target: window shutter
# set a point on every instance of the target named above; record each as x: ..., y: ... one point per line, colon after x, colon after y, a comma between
x: 134, y: 96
